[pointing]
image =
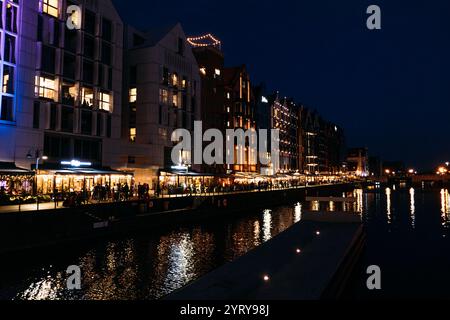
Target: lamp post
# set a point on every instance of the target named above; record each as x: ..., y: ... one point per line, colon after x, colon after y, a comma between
x: 38, y: 156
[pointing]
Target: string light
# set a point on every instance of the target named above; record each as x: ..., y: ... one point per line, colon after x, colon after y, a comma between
x: 197, y: 41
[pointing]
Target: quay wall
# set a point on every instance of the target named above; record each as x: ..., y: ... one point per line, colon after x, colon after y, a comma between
x: 27, y: 230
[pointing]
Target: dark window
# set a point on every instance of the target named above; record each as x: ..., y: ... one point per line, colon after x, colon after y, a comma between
x: 7, y: 109
x: 86, y: 122
x: 66, y: 148
x: 70, y: 40
x: 89, y: 22
x: 133, y: 75
x: 53, y: 114
x: 10, y: 48
x: 109, y: 126
x: 131, y: 160
x: 70, y: 63
x: 48, y: 59
x: 180, y: 46
x: 67, y: 119
x: 107, y: 30
x: 106, y: 53
x: 88, y: 72
x: 36, y: 115
x: 89, y: 47
x: 99, y: 124
x: 40, y: 28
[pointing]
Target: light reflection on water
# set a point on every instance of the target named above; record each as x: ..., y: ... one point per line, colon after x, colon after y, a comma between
x: 154, y: 264
x: 148, y: 266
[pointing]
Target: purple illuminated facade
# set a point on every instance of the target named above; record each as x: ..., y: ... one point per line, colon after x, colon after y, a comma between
x: 61, y: 88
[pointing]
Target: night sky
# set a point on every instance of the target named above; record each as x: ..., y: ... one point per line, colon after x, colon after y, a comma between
x: 389, y: 89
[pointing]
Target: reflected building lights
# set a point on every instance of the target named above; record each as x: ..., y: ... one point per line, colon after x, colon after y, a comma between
x: 389, y: 204
x: 445, y: 206
x: 267, y: 225
x: 298, y: 213
x: 412, y: 194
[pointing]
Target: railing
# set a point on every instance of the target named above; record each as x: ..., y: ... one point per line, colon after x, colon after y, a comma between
x: 120, y: 197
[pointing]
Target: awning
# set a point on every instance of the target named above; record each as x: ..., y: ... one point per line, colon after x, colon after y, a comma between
x: 9, y: 168
x: 95, y: 171
x: 187, y: 174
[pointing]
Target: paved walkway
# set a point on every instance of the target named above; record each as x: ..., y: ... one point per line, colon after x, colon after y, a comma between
x: 53, y: 206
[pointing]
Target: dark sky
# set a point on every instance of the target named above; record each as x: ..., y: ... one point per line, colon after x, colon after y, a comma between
x: 389, y: 89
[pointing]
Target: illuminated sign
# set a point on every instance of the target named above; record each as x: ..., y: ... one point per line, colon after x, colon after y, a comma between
x: 76, y: 163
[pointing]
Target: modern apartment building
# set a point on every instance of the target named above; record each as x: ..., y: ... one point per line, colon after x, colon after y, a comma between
x: 162, y: 83
x: 61, y: 93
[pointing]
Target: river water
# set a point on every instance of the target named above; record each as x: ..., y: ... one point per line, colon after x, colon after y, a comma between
x: 152, y: 264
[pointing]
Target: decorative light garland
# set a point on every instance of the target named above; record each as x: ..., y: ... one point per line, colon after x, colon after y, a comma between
x: 194, y: 41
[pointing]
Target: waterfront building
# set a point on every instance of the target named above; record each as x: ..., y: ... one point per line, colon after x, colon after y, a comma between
x: 284, y: 117
x: 240, y: 114
x: 210, y: 59
x: 358, y: 162
x: 61, y: 95
x: 162, y: 93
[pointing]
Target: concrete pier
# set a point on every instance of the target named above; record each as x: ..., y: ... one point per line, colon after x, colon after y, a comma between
x: 306, y: 262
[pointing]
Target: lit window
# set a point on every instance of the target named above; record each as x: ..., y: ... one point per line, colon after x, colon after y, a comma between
x: 50, y: 7
x: 228, y: 96
x: 105, y: 101
x: 175, y: 80
x: 163, y: 96
x: 133, y: 134
x: 45, y: 88
x: 217, y: 72
x: 203, y: 71
x: 87, y: 97
x: 175, y: 100
x: 133, y: 95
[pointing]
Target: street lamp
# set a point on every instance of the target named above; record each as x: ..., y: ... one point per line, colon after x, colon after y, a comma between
x: 38, y: 156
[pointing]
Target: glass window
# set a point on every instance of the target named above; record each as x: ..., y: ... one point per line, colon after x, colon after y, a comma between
x: 87, y: 97
x: 8, y: 79
x: 133, y: 95
x: 133, y: 134
x: 105, y: 101
x: 163, y: 96
x: 50, y: 7
x: 7, y: 108
x: 69, y: 93
x: 45, y: 88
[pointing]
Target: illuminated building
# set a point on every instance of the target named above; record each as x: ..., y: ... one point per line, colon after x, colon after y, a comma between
x: 358, y: 162
x: 61, y: 88
x: 240, y: 106
x: 284, y: 117
x: 214, y: 113
x: 161, y: 93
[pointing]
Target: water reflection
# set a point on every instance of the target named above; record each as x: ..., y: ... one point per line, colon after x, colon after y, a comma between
x: 445, y: 206
x: 412, y: 207
x: 267, y: 225
x: 389, y: 205
x: 150, y: 265
x: 298, y: 212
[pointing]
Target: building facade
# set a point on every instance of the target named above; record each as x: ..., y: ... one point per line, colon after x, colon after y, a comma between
x: 210, y: 59
x: 62, y: 86
x: 163, y: 94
